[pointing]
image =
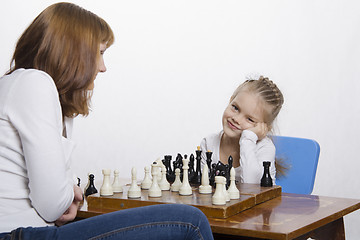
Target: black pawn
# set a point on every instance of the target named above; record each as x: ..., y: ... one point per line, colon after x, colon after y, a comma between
x: 78, y: 183
x: 266, y: 180
x: 91, y: 188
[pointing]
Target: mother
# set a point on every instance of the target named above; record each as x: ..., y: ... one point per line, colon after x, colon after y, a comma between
x: 54, y: 66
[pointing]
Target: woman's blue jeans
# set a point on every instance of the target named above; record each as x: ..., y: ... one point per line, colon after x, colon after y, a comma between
x: 164, y: 221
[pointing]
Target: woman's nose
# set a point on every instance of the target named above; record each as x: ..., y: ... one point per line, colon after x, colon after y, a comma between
x: 102, y: 67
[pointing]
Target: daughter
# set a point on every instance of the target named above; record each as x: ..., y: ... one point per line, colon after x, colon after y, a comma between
x: 246, y: 122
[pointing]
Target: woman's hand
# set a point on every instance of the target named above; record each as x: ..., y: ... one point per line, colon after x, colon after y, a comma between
x: 260, y: 129
x: 71, y: 212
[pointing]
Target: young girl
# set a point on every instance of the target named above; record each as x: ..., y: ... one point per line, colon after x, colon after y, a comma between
x: 56, y: 61
x: 246, y: 122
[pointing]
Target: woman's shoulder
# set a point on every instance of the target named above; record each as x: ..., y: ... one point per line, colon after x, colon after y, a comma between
x: 30, y: 75
x: 27, y: 87
x: 29, y: 79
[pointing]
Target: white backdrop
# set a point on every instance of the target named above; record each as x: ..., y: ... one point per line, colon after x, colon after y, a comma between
x: 175, y: 64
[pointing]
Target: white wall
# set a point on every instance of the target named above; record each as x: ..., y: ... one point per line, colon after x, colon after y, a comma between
x: 175, y: 64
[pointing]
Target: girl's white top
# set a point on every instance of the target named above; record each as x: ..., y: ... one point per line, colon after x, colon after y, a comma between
x: 36, y: 184
x: 252, y: 155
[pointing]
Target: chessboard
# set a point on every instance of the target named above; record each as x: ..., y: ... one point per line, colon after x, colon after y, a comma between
x: 250, y: 195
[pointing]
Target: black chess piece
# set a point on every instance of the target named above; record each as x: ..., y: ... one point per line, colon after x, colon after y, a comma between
x: 220, y: 169
x: 91, y: 188
x: 227, y: 172
x: 178, y: 162
x: 209, y: 160
x: 197, y: 178
x: 212, y: 175
x: 266, y: 180
x: 217, y: 169
x: 230, y: 161
x: 78, y: 183
x: 191, y: 170
x: 170, y: 174
x: 181, y: 164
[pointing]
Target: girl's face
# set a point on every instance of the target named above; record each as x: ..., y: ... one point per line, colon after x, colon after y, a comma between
x: 101, y: 63
x: 243, y: 112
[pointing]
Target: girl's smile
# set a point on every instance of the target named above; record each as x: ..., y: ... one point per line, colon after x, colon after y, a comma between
x: 232, y: 126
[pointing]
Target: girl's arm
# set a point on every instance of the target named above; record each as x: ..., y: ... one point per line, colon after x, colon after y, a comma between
x: 252, y: 156
x: 35, y: 112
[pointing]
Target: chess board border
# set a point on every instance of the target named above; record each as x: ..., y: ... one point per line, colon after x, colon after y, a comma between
x: 251, y: 195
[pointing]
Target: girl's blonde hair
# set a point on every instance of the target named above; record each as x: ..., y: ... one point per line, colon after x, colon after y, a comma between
x: 268, y: 92
x: 271, y: 95
x: 64, y: 41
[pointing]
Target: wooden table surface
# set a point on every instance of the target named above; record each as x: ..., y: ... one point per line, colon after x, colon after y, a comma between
x: 290, y: 216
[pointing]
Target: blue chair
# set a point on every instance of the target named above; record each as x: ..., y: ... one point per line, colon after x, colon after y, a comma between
x: 301, y: 156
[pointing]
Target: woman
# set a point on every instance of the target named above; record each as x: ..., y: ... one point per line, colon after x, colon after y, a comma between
x: 55, y: 63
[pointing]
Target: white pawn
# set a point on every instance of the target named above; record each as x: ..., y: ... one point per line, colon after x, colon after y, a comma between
x: 134, y: 190
x: 226, y: 193
x: 219, y: 197
x: 233, y: 191
x: 159, y: 164
x: 106, y: 188
x: 177, y: 183
x: 154, y: 190
x: 146, y: 183
x: 205, y: 187
x: 117, y: 187
x: 156, y: 167
x: 185, y: 188
x: 164, y: 184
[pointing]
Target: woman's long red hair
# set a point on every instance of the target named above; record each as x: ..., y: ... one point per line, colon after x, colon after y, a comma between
x: 64, y: 41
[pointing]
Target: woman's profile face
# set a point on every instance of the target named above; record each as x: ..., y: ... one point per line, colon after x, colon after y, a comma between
x: 101, y: 63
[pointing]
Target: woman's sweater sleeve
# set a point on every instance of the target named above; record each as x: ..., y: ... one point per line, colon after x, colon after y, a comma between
x: 34, y: 110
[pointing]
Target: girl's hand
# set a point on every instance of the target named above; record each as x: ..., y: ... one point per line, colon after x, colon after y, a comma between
x: 71, y: 212
x: 260, y: 129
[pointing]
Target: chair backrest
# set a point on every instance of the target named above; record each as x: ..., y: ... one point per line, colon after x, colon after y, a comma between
x: 301, y: 156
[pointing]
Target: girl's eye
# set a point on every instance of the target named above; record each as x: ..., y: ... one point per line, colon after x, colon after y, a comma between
x: 235, y: 107
x: 251, y: 120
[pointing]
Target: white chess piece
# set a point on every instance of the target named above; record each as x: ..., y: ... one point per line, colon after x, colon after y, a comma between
x: 177, y: 183
x: 233, y: 191
x: 117, y: 187
x: 164, y: 184
x: 134, y: 190
x: 146, y: 183
x: 154, y: 190
x: 226, y: 193
x: 219, y: 197
x: 160, y: 164
x: 185, y: 188
x: 205, y: 187
x: 106, y: 188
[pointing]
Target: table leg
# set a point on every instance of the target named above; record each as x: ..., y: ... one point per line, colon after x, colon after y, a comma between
x: 331, y: 231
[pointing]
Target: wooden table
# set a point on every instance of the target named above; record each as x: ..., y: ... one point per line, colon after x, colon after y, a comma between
x: 289, y: 216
